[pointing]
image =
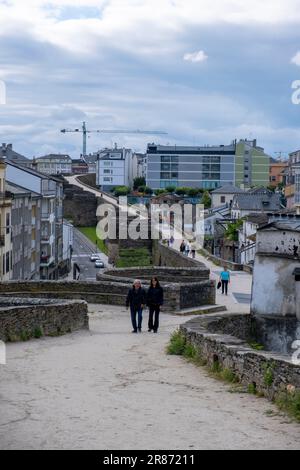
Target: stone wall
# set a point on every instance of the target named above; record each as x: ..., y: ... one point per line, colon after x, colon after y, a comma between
x: 112, y: 293
x: 266, y: 372
x: 80, y: 206
x: 163, y: 255
x: 22, y: 319
x: 164, y: 274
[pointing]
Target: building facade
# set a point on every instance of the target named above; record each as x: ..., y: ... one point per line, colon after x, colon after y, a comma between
x: 26, y: 230
x: 54, y: 164
x: 277, y: 171
x: 252, y: 165
x: 201, y: 167
x: 224, y: 196
x: 5, y: 227
x: 51, y: 190
x: 114, y: 168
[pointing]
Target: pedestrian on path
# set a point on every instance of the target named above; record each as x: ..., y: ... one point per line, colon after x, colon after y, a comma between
x: 193, y: 251
x: 136, y: 300
x: 225, y: 280
x: 187, y: 249
x: 182, y: 247
x: 155, y: 299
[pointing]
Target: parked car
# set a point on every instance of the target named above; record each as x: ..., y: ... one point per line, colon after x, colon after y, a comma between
x: 94, y: 257
x: 99, y: 264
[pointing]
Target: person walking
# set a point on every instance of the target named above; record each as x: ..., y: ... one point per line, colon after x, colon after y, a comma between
x: 182, y: 247
x: 193, y: 249
x: 136, y: 300
x: 187, y: 249
x: 155, y: 299
x: 225, y: 280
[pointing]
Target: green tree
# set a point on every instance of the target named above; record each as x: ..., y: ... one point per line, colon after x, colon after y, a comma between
x: 148, y: 190
x: 139, y: 181
x: 122, y: 191
x: 182, y: 191
x: 206, y: 200
x: 171, y: 189
x: 232, y: 231
x: 158, y: 192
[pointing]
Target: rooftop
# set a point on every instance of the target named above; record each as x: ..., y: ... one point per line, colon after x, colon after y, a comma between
x: 257, y: 202
x: 228, y: 189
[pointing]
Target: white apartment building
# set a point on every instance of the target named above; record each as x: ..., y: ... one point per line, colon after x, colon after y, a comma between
x: 53, y: 164
x: 114, y: 168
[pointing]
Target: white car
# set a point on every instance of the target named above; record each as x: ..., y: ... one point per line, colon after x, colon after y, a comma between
x: 94, y: 257
x: 99, y: 264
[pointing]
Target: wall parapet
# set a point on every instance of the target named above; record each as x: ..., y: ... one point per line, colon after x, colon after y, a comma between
x: 266, y: 372
x: 22, y: 319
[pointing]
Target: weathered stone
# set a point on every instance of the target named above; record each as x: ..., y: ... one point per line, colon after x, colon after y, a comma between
x: 27, y: 318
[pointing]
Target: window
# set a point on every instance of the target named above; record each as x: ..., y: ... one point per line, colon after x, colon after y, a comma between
x: 223, y: 199
x: 107, y: 180
x: 165, y: 159
x: 107, y: 172
x: 165, y: 167
x: 7, y: 223
x: 7, y: 262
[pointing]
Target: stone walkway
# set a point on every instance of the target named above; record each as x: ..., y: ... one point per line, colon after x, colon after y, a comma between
x: 109, y: 389
x: 239, y: 295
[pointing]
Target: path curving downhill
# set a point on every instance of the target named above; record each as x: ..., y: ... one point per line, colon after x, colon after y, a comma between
x: 110, y: 389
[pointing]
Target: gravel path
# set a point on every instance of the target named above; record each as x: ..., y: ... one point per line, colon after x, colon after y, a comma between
x: 109, y: 389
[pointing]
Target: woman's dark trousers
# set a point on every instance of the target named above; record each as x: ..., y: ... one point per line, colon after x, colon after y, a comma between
x: 154, y: 311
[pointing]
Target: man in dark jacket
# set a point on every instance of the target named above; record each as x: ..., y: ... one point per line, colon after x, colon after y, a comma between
x: 136, y: 300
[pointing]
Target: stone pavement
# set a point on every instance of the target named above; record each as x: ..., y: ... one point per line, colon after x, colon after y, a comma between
x: 110, y: 389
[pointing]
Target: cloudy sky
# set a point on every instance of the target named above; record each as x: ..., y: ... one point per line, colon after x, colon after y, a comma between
x: 205, y: 71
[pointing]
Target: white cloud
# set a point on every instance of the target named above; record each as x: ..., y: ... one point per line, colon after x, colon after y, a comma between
x: 296, y: 59
x: 199, y: 56
x: 154, y: 25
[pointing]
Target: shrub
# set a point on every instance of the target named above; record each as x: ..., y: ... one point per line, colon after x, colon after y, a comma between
x: 177, y: 344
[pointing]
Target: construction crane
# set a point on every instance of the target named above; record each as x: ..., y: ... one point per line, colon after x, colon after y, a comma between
x: 85, y: 132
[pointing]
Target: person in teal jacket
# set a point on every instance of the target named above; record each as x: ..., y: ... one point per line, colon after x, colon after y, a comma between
x: 225, y: 280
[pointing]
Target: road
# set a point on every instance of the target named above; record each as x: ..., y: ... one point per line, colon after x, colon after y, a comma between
x: 108, y: 389
x: 83, y: 248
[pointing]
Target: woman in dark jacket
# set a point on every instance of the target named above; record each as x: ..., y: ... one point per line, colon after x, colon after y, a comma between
x: 155, y: 299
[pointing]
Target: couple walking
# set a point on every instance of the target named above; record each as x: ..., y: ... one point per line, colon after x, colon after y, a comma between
x: 138, y: 298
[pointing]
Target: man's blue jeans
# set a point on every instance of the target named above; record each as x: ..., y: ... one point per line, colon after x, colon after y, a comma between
x: 139, y: 312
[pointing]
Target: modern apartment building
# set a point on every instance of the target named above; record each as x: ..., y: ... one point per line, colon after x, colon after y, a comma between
x: 207, y: 167
x: 252, y: 164
x: 26, y: 229
x: 51, y: 190
x: 54, y: 164
x: 114, y: 168
x: 5, y: 227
